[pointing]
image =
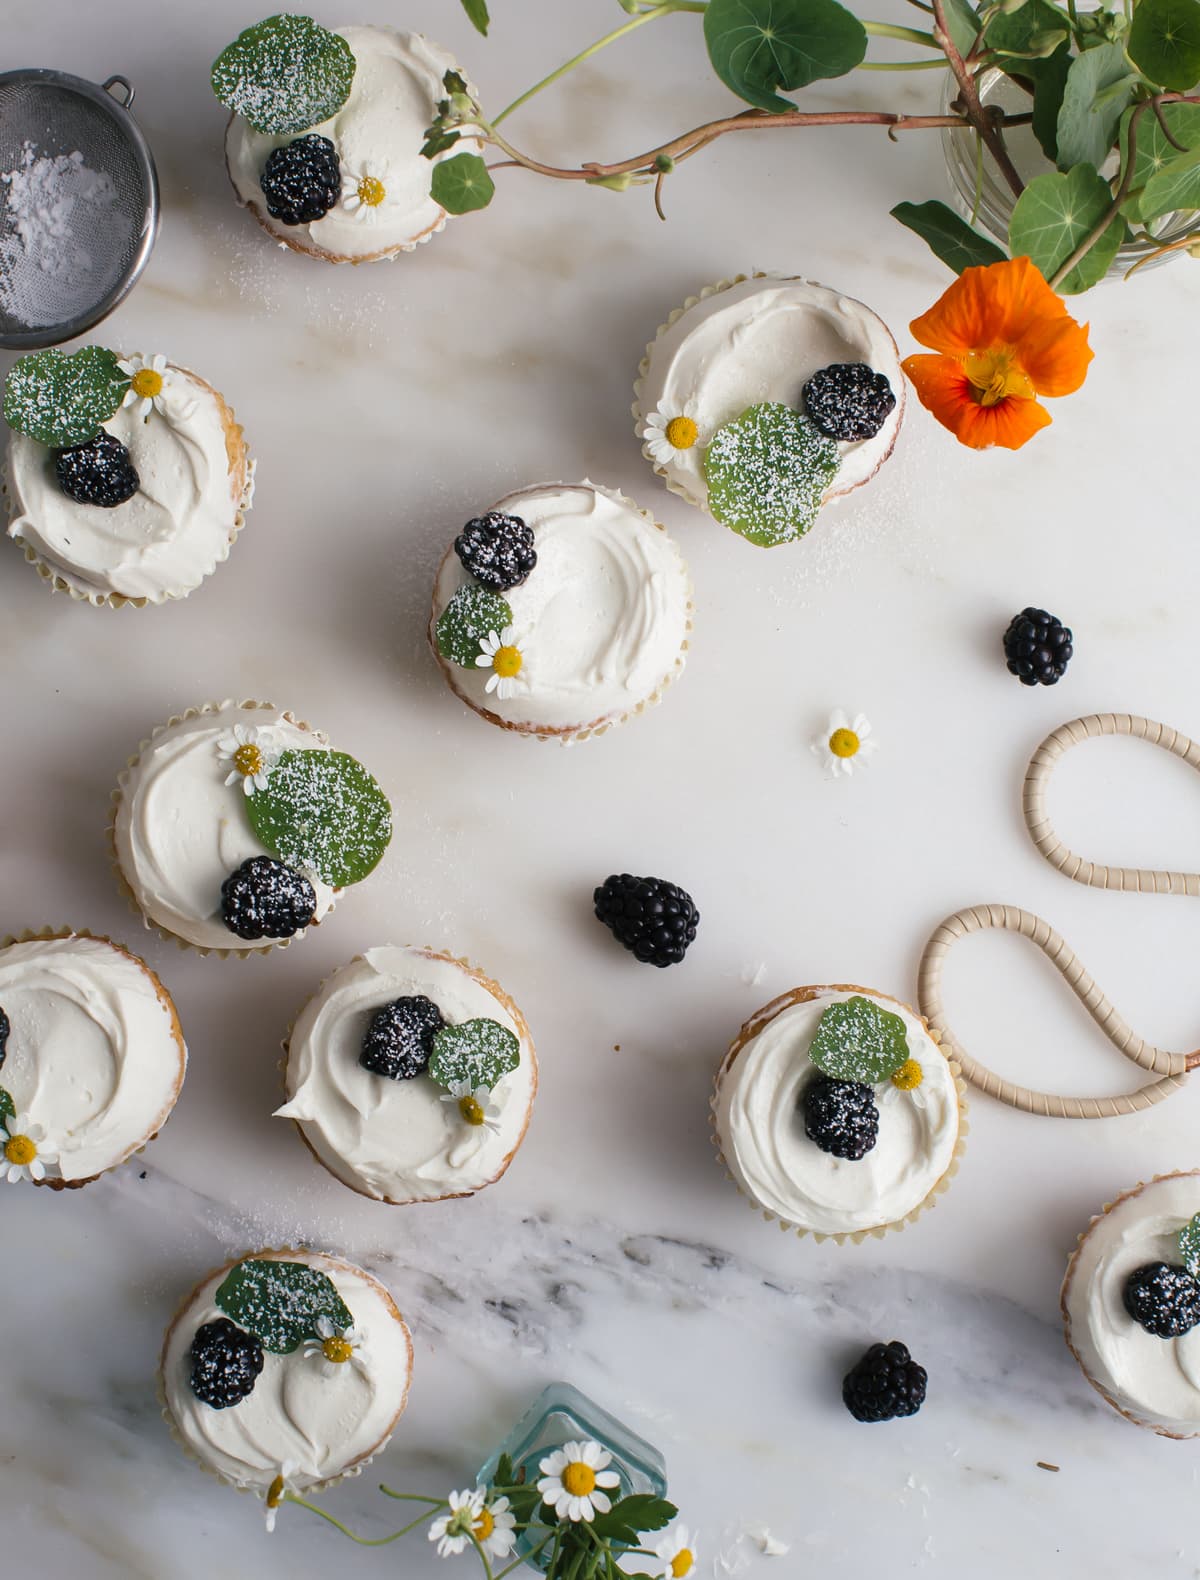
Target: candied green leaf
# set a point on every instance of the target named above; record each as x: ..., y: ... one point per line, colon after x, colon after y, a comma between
x: 767, y: 472
x: 473, y: 613
x: 284, y: 74
x: 280, y: 1302
x: 1152, y: 150
x: 480, y: 1052
x: 322, y: 812
x: 462, y: 184
x: 477, y: 12
x: 62, y: 400
x: 634, y: 1516
x: 7, y: 1107
x: 1164, y: 42
x: 758, y: 47
x: 1098, y: 89
x: 1054, y: 214
x: 951, y: 238
x: 859, y: 1040
x: 1189, y: 1245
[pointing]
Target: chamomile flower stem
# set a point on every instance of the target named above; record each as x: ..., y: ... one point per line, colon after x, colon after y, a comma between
x: 483, y: 1557
x: 535, y: 1552
x: 413, y: 1497
x: 362, y: 1541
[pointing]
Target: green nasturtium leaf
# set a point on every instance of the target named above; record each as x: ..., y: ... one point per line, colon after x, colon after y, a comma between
x: 962, y: 20
x: 1054, y: 214
x: 479, y: 1052
x: 284, y: 74
x: 758, y: 47
x: 1098, y: 89
x: 473, y: 613
x: 859, y: 1040
x: 7, y: 1107
x: 1164, y: 42
x: 1176, y: 187
x: 62, y: 400
x: 951, y: 238
x: 767, y: 472
x: 477, y: 12
x: 324, y: 813
x: 280, y: 1302
x: 462, y: 184
x: 1153, y: 152
x: 1189, y: 1245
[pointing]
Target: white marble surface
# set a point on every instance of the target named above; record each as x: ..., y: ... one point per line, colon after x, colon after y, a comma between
x: 385, y: 406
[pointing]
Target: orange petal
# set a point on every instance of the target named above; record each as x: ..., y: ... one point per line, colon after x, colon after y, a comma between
x: 966, y: 317
x: 1056, y: 354
x: 943, y: 387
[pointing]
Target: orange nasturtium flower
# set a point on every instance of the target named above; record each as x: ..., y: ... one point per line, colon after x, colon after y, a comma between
x: 1002, y: 337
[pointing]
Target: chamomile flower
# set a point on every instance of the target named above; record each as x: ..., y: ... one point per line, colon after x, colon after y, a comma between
x: 677, y: 1554
x: 249, y: 751
x: 495, y: 1528
x: 908, y: 1081
x: 274, y: 1494
x: 665, y: 433
x: 452, y: 1531
x: 844, y: 742
x: 500, y: 652
x: 151, y: 385
x: 574, y: 1478
x: 366, y: 193
x: 25, y: 1152
x: 333, y: 1346
x: 474, y: 1104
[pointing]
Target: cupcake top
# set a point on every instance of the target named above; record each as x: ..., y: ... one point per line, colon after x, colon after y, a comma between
x: 91, y: 1057
x: 563, y: 607
x: 410, y: 1076
x: 126, y: 474
x: 836, y: 1110
x: 236, y: 825
x: 287, y: 1363
x: 762, y: 399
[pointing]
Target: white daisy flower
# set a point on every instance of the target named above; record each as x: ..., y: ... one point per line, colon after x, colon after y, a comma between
x: 366, y: 193
x: 25, y: 1154
x: 574, y: 1479
x: 500, y: 652
x: 452, y: 1532
x: 665, y: 433
x: 250, y: 751
x: 333, y: 1346
x: 152, y: 386
x: 475, y: 1105
x: 677, y: 1554
x: 274, y: 1494
x: 844, y: 742
x: 496, y: 1528
x: 906, y: 1082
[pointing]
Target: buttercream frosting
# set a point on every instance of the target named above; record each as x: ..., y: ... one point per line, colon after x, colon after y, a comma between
x: 322, y: 1419
x: 398, y: 1141
x: 93, y: 1056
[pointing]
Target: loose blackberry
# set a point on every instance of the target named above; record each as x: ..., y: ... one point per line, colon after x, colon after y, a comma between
x: 849, y: 400
x: 841, y: 1117
x: 1164, y: 1300
x: 1038, y: 647
x: 302, y: 180
x: 5, y: 1028
x: 497, y: 550
x: 654, y: 919
x: 265, y: 899
x: 886, y: 1383
x: 226, y: 1361
x: 399, y: 1040
x: 97, y: 473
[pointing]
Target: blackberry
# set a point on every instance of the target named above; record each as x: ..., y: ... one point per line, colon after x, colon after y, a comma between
x: 265, y: 899
x: 226, y: 1361
x: 97, y: 473
x: 841, y: 1117
x: 1038, y: 647
x: 886, y: 1383
x: 654, y: 919
x: 849, y: 400
x: 5, y: 1028
x: 1164, y: 1300
x: 399, y: 1040
x: 302, y: 180
x: 497, y: 550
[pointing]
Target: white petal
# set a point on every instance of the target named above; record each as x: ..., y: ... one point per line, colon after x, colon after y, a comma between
x: 158, y: 362
x: 861, y: 726
x: 838, y: 720
x: 607, y: 1478
x: 600, y: 1501
x: 819, y: 745
x: 484, y: 661
x: 494, y: 684
x: 131, y: 397
x: 37, y: 1169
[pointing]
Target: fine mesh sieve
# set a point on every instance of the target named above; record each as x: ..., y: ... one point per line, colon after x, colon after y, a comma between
x: 78, y: 204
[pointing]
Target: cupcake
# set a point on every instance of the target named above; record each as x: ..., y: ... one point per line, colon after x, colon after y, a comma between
x: 285, y: 1369
x: 762, y: 398
x: 324, y: 146
x: 128, y: 478
x: 561, y: 611
x: 837, y: 1113
x: 411, y: 1076
x: 236, y: 826
x: 92, y: 1057
x: 1131, y: 1304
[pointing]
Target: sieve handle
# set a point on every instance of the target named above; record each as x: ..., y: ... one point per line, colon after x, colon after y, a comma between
x: 117, y: 81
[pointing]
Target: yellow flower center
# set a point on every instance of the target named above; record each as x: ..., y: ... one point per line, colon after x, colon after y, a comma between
x: 484, y: 1525
x: 471, y: 1111
x: 681, y: 433
x: 337, y: 1350
x: 579, y: 1479
x: 507, y: 662
x: 995, y: 374
x: 147, y: 383
x: 844, y: 743
x: 683, y: 1563
x: 371, y: 191
x: 909, y: 1075
x: 248, y: 759
x: 275, y: 1493
x: 19, y: 1149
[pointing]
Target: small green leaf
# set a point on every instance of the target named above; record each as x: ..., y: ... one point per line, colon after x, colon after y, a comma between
x: 758, y: 47
x: 462, y: 184
x: 963, y: 22
x: 1098, y: 89
x: 1175, y: 187
x: 284, y: 75
x: 767, y: 472
x: 859, y: 1040
x: 7, y: 1107
x: 504, y: 1471
x: 1152, y: 151
x: 480, y: 1052
x: 1013, y: 32
x: 322, y: 812
x: 477, y: 11
x: 62, y: 400
x: 950, y: 237
x: 473, y: 613
x: 437, y: 140
x: 1049, y: 78
x: 280, y: 1302
x: 1054, y: 214
x: 1164, y: 42
x: 1189, y: 1245
x: 634, y: 1516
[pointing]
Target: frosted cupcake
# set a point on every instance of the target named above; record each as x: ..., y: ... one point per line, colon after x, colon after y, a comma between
x: 92, y: 1057
x: 237, y: 825
x: 128, y: 478
x: 411, y: 1076
x: 561, y: 611
x: 324, y: 145
x: 763, y: 398
x: 1131, y: 1304
x: 837, y: 1113
x: 285, y: 1370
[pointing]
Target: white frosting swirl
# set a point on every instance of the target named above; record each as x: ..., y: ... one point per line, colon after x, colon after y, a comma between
x: 1157, y: 1380
x: 762, y: 340
x: 181, y: 830
x: 171, y: 534
x: 93, y: 1056
x: 397, y: 1140
x: 601, y: 620
x: 760, y: 1121
x: 378, y: 131
x: 323, y: 1418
